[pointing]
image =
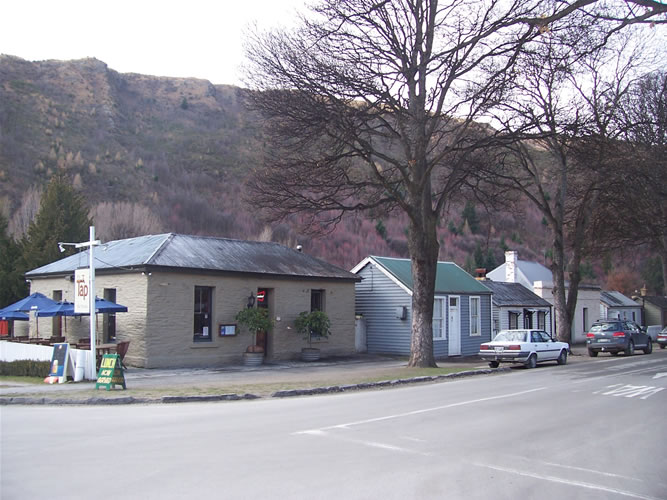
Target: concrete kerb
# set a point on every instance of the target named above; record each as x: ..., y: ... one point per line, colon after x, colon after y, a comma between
x: 576, y: 351
x: 22, y: 400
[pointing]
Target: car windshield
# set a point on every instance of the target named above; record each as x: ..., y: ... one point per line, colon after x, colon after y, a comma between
x: 605, y: 327
x: 518, y: 336
x: 664, y: 330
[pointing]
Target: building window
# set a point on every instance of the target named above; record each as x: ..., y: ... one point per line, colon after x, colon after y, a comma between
x: 585, y: 318
x: 57, y: 321
x: 317, y: 300
x: 514, y: 320
x: 541, y: 320
x: 438, y: 319
x: 109, y: 319
x: 475, y: 317
x: 202, y: 314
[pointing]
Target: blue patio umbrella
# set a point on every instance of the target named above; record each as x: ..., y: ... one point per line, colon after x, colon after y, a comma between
x: 106, y: 306
x: 67, y: 308
x: 15, y: 315
x: 63, y: 308
x: 35, y: 301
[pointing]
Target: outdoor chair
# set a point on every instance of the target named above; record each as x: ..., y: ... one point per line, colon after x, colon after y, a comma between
x: 121, y: 350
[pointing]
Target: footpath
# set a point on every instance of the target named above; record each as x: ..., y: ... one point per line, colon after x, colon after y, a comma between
x: 270, y: 380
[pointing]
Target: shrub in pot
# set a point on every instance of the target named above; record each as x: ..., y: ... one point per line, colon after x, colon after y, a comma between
x: 255, y: 320
x: 312, y: 324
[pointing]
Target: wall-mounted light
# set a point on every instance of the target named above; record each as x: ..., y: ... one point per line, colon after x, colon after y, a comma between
x: 251, y: 301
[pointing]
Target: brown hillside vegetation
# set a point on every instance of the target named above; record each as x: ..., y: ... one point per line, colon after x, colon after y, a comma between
x: 155, y: 154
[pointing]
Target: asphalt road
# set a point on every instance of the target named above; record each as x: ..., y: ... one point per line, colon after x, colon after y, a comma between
x: 586, y: 430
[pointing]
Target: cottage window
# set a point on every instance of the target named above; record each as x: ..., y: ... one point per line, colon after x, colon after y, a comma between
x: 514, y: 320
x: 317, y: 300
x: 202, y: 314
x: 438, y: 319
x: 475, y: 317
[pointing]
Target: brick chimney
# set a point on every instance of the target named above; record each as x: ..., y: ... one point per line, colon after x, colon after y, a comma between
x: 510, y: 266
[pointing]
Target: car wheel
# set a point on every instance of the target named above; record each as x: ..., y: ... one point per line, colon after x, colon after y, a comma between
x: 592, y: 354
x: 494, y: 364
x: 630, y: 350
x: 662, y: 346
x: 532, y: 361
x: 649, y: 347
x: 562, y: 357
x: 614, y: 353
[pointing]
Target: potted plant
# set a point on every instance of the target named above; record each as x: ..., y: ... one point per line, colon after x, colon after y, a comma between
x: 312, y: 324
x: 255, y: 319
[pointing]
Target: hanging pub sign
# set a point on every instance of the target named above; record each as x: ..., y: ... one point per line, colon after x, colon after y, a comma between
x: 261, y: 296
x: 111, y: 372
x: 82, y: 291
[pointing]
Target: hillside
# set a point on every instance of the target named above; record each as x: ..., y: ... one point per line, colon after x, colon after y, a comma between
x: 155, y: 154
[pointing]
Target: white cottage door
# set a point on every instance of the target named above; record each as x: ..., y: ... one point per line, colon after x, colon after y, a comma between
x: 454, y: 326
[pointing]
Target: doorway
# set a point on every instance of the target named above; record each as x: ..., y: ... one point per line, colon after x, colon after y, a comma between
x: 454, y: 326
x: 264, y: 301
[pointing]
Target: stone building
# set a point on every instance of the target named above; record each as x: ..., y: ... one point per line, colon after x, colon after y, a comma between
x: 183, y: 293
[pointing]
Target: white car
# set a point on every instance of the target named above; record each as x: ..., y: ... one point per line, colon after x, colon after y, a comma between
x: 528, y: 347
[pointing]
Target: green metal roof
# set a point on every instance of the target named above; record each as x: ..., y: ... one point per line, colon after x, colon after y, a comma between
x: 449, y: 278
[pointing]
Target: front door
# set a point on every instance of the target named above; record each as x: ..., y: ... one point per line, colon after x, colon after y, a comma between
x: 262, y: 338
x: 454, y: 327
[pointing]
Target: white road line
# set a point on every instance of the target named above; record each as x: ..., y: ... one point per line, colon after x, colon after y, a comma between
x: 567, y: 482
x: 572, y: 467
x: 416, y: 412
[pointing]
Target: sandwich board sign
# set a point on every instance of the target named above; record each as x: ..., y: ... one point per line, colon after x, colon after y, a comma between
x: 111, y: 372
x: 61, y: 364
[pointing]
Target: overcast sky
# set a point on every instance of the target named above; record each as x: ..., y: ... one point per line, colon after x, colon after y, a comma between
x: 193, y: 38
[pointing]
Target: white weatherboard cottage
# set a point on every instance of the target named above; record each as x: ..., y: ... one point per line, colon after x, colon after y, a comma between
x: 462, y: 308
x: 615, y: 305
x: 539, y: 279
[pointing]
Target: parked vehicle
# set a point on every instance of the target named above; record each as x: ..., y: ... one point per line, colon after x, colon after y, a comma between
x: 528, y: 347
x: 653, y: 331
x: 662, y: 338
x: 614, y: 336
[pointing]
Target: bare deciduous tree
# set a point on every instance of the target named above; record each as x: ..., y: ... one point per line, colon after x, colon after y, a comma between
x: 120, y: 220
x: 374, y: 106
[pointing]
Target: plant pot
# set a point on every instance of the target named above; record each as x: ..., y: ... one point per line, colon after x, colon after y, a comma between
x: 310, y: 354
x: 253, y: 358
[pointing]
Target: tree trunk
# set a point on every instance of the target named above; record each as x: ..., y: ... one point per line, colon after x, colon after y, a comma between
x: 563, y: 318
x: 424, y: 248
x: 663, y: 258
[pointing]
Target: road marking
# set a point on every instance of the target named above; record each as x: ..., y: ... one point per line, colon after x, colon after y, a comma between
x: 630, y: 391
x: 660, y: 375
x: 606, y: 375
x: 416, y: 412
x: 568, y: 482
x: 573, y: 467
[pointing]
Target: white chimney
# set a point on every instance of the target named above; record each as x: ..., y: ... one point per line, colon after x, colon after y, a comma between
x: 510, y: 266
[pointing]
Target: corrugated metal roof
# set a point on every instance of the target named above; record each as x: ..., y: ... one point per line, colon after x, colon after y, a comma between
x: 202, y: 253
x: 449, y: 278
x: 616, y: 299
x: 514, y: 294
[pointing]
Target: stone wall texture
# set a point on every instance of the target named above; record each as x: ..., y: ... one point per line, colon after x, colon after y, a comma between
x: 160, y: 319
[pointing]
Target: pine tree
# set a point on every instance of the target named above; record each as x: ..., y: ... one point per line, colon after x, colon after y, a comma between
x: 62, y: 216
x: 12, y: 284
x: 470, y: 215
